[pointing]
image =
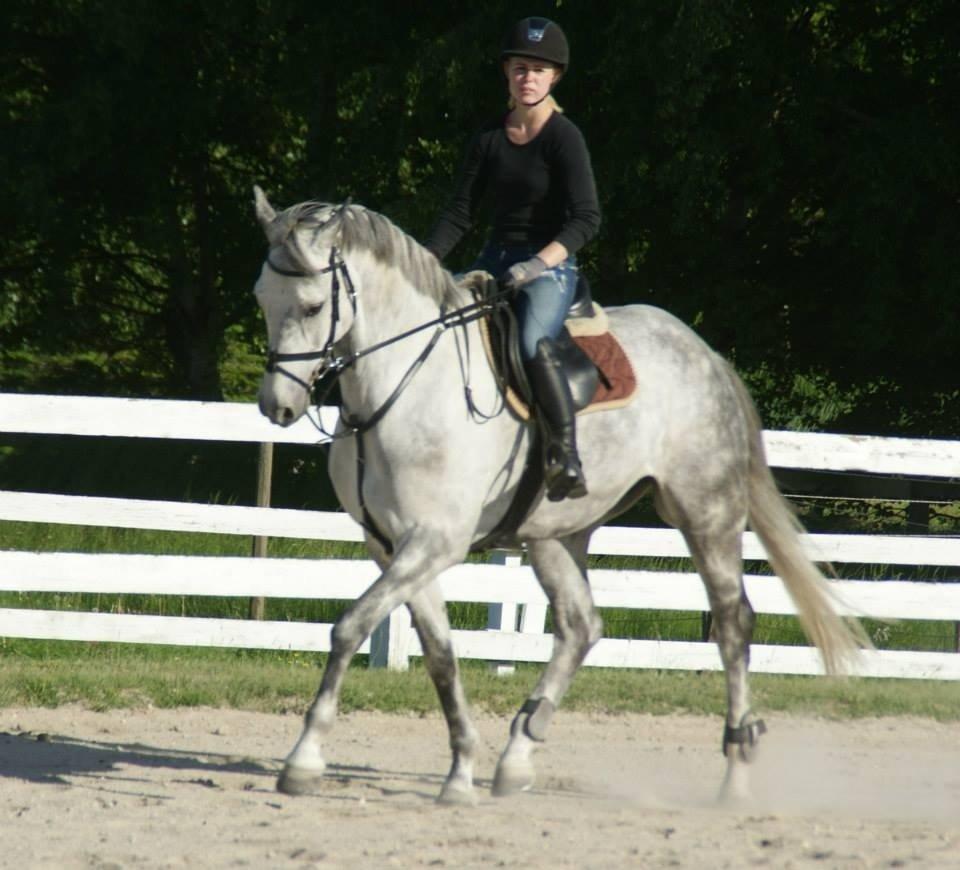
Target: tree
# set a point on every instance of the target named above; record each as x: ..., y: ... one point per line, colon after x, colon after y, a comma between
x: 129, y: 133
x: 780, y: 174
x: 784, y: 176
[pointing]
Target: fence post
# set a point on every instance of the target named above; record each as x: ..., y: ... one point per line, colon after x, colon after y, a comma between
x: 390, y: 642
x: 706, y: 626
x: 504, y: 616
x: 918, y: 508
x: 533, y: 619
x: 264, y: 484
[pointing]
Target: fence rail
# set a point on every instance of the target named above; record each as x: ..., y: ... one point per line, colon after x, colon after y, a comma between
x: 517, y: 605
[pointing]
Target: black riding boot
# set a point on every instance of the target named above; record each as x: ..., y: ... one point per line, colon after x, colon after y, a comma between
x: 563, y: 474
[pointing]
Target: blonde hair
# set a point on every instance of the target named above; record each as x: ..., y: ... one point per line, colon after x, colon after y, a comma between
x: 550, y: 100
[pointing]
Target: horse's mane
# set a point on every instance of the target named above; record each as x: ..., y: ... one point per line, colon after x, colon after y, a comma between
x: 363, y: 229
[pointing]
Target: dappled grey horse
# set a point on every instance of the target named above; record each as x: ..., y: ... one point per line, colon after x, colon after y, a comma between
x: 428, y: 459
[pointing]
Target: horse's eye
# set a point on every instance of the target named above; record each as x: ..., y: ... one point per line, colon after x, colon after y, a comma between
x: 313, y: 310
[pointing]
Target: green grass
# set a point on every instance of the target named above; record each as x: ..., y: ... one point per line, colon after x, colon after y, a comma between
x: 104, y: 676
x: 115, y: 675
x: 642, y: 624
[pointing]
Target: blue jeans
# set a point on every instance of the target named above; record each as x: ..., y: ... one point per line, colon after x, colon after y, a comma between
x: 542, y: 305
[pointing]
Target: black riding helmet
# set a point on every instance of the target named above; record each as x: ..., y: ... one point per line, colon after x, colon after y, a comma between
x: 539, y: 38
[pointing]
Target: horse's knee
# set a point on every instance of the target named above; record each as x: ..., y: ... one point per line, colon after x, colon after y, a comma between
x: 595, y: 630
x: 580, y: 625
x: 344, y: 633
x: 589, y: 630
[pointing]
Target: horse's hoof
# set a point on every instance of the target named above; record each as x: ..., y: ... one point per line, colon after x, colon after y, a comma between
x: 509, y: 782
x: 299, y: 782
x: 734, y: 801
x: 735, y: 794
x: 736, y: 791
x: 457, y: 796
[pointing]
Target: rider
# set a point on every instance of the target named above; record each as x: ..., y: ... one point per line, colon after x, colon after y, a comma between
x: 535, y: 165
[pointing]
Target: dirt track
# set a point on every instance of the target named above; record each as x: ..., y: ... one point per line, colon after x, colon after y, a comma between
x: 162, y: 788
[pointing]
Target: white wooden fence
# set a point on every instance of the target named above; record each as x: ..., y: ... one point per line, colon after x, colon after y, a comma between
x: 516, y: 604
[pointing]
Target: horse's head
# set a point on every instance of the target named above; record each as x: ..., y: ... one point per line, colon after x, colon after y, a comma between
x: 307, y: 298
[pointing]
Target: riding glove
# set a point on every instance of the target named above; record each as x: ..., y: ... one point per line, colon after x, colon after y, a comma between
x: 523, y: 273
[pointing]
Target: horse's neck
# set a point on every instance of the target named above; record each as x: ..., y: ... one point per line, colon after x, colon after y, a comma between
x: 387, y: 307
x: 388, y: 304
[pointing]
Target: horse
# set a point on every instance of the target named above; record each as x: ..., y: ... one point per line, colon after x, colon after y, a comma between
x: 428, y: 458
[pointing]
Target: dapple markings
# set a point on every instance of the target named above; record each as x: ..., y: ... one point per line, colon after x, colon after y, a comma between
x: 438, y: 469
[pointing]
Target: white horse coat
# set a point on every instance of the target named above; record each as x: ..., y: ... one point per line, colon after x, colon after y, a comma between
x: 441, y: 463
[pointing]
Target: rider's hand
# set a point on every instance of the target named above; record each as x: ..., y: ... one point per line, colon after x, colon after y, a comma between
x: 523, y: 273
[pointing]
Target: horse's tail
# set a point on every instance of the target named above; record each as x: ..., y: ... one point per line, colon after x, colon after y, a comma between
x: 771, y: 517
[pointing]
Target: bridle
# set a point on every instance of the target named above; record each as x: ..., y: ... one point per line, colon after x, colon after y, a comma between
x: 333, y: 366
x: 335, y: 267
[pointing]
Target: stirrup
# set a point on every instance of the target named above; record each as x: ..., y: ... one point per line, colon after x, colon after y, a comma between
x: 565, y: 480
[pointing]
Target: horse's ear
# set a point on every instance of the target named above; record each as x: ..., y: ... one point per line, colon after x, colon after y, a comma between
x: 265, y: 212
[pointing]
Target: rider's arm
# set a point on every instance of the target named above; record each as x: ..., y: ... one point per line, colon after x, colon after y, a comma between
x: 575, y: 172
x: 553, y: 254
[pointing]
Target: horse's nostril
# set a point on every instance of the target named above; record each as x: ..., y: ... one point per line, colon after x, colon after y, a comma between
x: 286, y: 415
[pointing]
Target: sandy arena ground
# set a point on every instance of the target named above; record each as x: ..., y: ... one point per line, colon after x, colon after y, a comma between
x: 194, y: 788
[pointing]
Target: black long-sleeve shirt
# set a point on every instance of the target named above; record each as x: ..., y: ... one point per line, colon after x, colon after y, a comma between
x: 541, y: 192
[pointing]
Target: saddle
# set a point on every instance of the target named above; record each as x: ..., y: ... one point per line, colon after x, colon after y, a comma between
x: 599, y: 372
x: 600, y: 376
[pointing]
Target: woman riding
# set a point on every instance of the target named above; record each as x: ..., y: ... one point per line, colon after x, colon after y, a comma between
x: 535, y: 165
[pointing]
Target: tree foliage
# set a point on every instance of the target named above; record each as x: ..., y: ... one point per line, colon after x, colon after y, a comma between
x: 782, y: 175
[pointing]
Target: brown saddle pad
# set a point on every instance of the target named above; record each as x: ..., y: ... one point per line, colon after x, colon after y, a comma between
x: 617, y: 384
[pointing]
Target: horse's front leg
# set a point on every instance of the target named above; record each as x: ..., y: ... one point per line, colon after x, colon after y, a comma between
x: 429, y: 613
x: 419, y: 557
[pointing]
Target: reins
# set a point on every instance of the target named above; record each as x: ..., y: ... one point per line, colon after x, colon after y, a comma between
x: 334, y: 366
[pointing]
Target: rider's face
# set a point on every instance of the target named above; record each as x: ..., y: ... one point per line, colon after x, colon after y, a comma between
x: 530, y: 80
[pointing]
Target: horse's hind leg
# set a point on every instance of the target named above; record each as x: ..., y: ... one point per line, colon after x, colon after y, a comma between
x: 561, y: 568
x: 429, y: 614
x: 718, y: 558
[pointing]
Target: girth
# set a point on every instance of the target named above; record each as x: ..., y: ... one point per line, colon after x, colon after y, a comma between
x: 503, y: 333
